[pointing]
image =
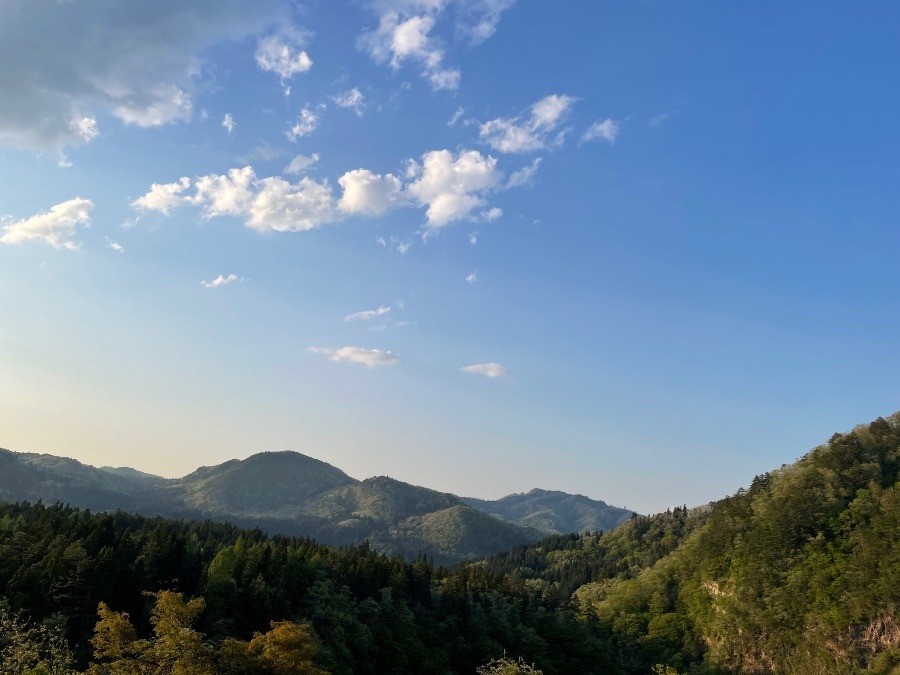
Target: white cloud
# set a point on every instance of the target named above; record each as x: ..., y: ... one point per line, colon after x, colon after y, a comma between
x: 276, y: 54
x: 63, y: 64
x: 284, y: 207
x: 456, y: 116
x: 368, y: 314
x: 478, y: 19
x: 56, y: 227
x: 306, y: 123
x: 366, y: 357
x: 229, y: 195
x: 220, y: 280
x: 265, y: 204
x: 228, y: 123
x: 114, y: 245
x: 486, y: 369
x: 472, y: 277
x: 451, y: 187
x: 163, y: 197
x: 490, y: 215
x: 369, y: 193
x: 353, y: 99
x: 527, y: 133
x: 85, y: 128
x: 473, y: 238
x: 406, y: 30
x: 524, y: 177
x: 301, y: 163
x: 402, y: 246
x: 167, y: 103
x: 602, y: 130
x: 399, y: 38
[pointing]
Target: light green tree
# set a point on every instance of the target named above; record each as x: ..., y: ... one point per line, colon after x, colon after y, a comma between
x: 31, y: 649
x: 506, y: 666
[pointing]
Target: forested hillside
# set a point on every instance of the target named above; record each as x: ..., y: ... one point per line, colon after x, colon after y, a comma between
x: 799, y: 573
x: 282, y: 493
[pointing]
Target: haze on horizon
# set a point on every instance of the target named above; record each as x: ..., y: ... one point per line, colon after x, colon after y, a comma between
x: 640, y: 251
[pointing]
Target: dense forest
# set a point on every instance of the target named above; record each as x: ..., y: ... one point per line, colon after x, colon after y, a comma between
x: 798, y: 573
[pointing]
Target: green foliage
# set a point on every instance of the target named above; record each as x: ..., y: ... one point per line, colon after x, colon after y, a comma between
x: 796, y: 574
x: 506, y: 666
x: 32, y: 649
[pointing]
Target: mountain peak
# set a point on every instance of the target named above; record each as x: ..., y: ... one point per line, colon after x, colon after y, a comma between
x: 264, y: 482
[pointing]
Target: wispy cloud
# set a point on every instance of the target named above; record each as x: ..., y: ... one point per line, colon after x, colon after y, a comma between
x: 535, y: 130
x: 405, y: 34
x: 399, y: 39
x: 472, y: 277
x: 56, y: 227
x: 220, y: 281
x: 301, y: 163
x: 306, y: 123
x: 490, y: 215
x: 114, y: 245
x: 602, y: 130
x: 473, y: 238
x: 367, y: 357
x: 456, y: 116
x: 486, y: 369
x: 365, y: 315
x: 657, y: 120
x: 524, y: 177
x: 282, y: 56
x: 228, y: 123
x: 352, y: 99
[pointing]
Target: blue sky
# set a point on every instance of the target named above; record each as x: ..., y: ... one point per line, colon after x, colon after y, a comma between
x: 638, y: 250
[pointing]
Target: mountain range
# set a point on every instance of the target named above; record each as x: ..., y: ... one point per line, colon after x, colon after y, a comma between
x: 291, y: 493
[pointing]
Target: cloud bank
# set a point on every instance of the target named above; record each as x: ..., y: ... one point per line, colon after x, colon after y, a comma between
x: 141, y: 67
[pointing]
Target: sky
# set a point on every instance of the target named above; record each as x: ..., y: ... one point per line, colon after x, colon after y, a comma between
x: 639, y: 250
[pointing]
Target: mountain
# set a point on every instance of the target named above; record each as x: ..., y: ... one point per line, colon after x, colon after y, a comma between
x: 34, y: 477
x: 268, y: 484
x: 291, y: 493
x: 553, y: 512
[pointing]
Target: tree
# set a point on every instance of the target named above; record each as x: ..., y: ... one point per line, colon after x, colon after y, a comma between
x: 176, y: 649
x: 287, y: 649
x: 28, y: 649
x: 506, y: 666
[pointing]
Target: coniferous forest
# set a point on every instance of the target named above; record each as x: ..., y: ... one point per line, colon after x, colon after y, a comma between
x: 797, y: 573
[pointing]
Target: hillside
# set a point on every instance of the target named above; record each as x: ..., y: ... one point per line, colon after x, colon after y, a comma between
x: 553, y: 512
x: 796, y: 574
x: 268, y: 484
x: 799, y: 573
x: 280, y: 492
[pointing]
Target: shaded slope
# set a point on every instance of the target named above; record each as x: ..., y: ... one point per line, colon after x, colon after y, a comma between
x: 270, y: 484
x: 552, y: 511
x: 33, y: 477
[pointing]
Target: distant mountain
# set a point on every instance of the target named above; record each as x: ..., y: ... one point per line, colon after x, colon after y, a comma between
x: 553, y: 512
x: 49, y: 478
x: 269, y: 484
x: 290, y: 493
